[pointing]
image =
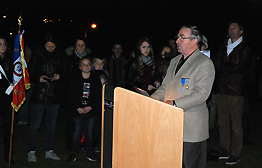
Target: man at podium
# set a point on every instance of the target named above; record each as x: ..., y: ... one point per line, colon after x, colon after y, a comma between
x: 187, y: 85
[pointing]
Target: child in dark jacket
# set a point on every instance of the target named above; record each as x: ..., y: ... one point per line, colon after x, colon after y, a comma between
x: 84, y: 96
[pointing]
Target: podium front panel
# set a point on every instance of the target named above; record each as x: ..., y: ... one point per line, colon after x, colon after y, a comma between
x: 147, y: 133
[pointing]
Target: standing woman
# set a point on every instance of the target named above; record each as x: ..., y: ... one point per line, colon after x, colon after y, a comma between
x: 47, y: 73
x: 75, y: 53
x: 141, y: 71
x: 6, y: 73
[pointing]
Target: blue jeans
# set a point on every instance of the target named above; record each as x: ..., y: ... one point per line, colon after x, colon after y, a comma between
x: 37, y: 112
x: 80, y: 123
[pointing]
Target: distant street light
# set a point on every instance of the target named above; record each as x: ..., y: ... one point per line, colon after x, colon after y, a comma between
x: 4, y: 17
x: 93, y: 26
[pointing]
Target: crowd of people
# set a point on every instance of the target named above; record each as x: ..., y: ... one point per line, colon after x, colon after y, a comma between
x: 181, y: 74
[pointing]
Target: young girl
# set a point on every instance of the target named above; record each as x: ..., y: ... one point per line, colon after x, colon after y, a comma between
x: 141, y: 71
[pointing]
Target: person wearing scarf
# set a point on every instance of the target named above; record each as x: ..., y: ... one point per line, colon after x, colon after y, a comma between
x: 231, y: 63
x: 141, y: 71
x: 75, y: 53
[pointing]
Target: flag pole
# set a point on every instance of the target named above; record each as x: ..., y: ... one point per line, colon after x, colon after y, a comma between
x: 11, y: 136
x: 13, y: 111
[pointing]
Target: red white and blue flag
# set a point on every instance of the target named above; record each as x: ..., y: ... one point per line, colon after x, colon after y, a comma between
x: 21, y: 80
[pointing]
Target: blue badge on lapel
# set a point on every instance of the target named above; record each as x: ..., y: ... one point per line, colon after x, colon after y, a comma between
x: 185, y: 84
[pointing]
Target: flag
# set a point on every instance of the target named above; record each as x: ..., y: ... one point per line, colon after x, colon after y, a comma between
x: 21, y: 80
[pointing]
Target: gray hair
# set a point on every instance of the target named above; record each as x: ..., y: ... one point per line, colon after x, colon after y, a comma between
x: 195, y: 34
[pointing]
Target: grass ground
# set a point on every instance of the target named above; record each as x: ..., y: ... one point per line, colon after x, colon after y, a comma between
x: 20, y: 149
x: 251, y: 156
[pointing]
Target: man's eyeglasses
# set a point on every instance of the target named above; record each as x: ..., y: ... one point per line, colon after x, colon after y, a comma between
x: 183, y: 38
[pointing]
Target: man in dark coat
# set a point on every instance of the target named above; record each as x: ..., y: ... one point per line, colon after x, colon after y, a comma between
x: 231, y: 65
x: 117, y: 66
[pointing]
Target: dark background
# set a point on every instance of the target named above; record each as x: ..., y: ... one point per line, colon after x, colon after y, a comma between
x: 125, y: 21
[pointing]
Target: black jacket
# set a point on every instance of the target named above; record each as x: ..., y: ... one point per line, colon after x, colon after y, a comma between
x: 134, y: 77
x: 117, y: 70
x: 46, y: 63
x: 4, y: 84
x: 75, y: 94
x: 231, y: 70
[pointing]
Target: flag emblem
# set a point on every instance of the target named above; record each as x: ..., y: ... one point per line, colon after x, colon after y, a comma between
x: 21, y: 80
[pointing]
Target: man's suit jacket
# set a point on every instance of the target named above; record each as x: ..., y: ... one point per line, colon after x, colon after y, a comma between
x: 199, y: 73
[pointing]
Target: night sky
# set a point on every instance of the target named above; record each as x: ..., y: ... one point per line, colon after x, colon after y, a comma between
x: 125, y: 21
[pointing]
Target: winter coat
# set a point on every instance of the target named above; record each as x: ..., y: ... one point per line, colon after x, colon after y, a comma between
x: 231, y: 70
x: 141, y: 81
x: 117, y: 74
x: 4, y: 84
x: 75, y: 95
x: 47, y: 63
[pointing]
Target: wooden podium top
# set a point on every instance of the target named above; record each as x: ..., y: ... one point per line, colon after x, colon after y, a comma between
x: 147, y: 133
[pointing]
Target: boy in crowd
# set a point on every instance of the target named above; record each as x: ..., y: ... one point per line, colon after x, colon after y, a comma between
x: 84, y: 96
x: 117, y: 66
x: 98, y: 64
x: 102, y: 76
x: 97, y: 128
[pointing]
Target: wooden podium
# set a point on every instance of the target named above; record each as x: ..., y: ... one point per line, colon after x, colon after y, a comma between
x: 147, y: 133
